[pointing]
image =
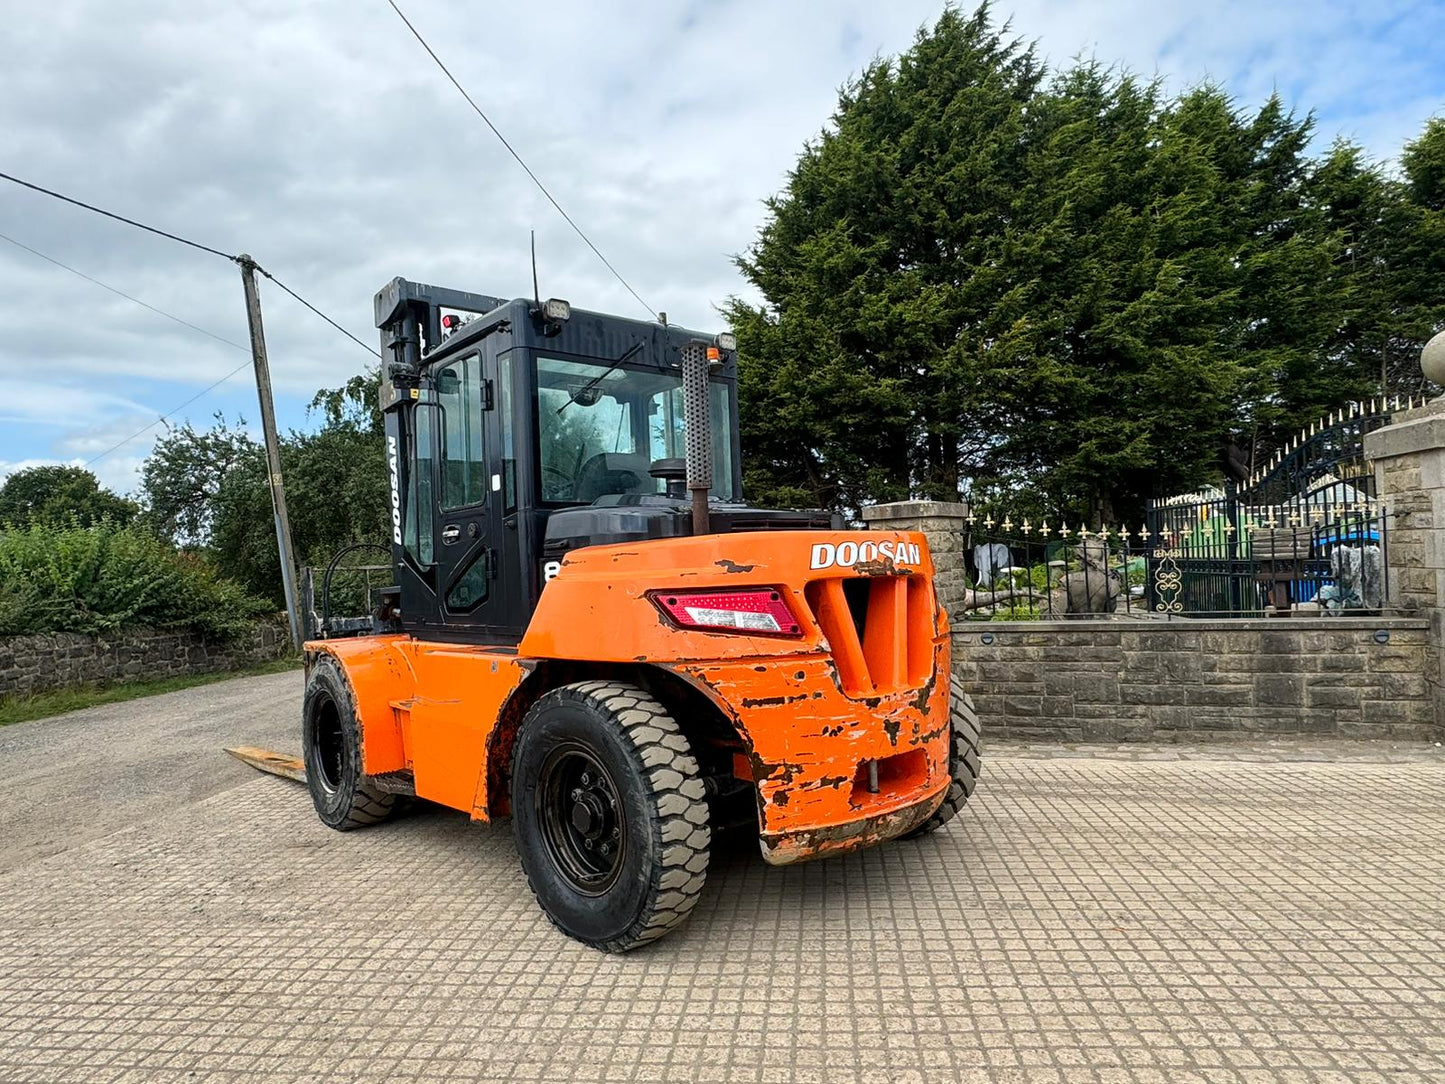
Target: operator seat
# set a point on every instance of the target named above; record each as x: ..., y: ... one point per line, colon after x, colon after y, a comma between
x: 613, y: 472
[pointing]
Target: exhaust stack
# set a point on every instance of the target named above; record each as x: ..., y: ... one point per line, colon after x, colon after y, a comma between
x: 697, y: 358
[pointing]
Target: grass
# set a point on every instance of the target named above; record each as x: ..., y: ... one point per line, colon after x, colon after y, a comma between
x: 20, y: 709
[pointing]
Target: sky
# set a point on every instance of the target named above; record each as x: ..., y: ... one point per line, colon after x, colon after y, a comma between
x: 320, y: 139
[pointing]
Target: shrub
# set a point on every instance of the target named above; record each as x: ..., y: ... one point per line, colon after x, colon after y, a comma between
x: 93, y: 579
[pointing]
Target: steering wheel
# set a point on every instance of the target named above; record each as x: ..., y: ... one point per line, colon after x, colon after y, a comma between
x: 560, y: 483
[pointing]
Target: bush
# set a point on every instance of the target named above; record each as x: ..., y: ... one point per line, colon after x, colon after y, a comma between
x: 96, y: 579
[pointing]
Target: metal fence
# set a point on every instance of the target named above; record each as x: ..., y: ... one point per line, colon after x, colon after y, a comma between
x: 1224, y: 556
x: 1047, y: 570
x: 1326, y: 545
x: 1207, y: 558
x: 1305, y: 527
x: 1303, y: 531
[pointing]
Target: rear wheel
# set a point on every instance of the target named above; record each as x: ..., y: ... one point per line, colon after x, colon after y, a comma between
x: 331, y: 741
x: 963, y: 760
x: 610, y: 816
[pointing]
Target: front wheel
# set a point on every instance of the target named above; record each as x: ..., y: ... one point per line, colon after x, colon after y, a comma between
x: 331, y: 746
x: 963, y: 760
x: 610, y: 816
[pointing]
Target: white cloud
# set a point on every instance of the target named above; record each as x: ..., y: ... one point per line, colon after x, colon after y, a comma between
x: 7, y: 468
x: 62, y: 403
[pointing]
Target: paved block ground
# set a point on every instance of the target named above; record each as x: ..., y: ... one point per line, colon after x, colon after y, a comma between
x: 1224, y: 916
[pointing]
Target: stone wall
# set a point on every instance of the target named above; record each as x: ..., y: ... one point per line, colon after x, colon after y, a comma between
x: 32, y: 664
x: 1409, y: 461
x: 945, y: 526
x: 1188, y: 680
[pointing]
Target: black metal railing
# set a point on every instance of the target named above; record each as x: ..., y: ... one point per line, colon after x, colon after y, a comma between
x: 1217, y: 553
x: 1209, y: 555
x: 1049, y: 570
x: 1304, y: 528
x: 1332, y: 449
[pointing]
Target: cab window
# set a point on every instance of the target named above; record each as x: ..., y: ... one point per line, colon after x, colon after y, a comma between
x: 417, y: 525
x: 601, y: 427
x: 459, y: 391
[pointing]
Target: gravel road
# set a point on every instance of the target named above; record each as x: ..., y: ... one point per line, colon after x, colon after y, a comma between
x: 80, y: 776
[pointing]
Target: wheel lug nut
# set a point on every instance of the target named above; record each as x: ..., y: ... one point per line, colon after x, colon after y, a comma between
x: 616, y: 833
x: 606, y: 848
x: 587, y: 843
x: 576, y: 794
x: 586, y: 779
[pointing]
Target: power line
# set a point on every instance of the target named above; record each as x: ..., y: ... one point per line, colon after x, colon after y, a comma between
x: 183, y: 323
x: 318, y: 312
x: 122, y: 293
x: 184, y: 241
x: 543, y: 188
x: 119, y: 218
x: 158, y: 312
x: 169, y: 414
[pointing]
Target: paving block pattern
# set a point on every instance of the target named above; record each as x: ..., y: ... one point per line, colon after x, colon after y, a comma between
x: 1084, y: 919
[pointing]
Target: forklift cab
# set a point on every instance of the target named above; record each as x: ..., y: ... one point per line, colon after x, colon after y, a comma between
x: 517, y: 431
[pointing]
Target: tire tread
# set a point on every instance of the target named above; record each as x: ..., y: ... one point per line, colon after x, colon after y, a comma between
x: 682, y: 834
x: 964, y: 759
x: 369, y: 805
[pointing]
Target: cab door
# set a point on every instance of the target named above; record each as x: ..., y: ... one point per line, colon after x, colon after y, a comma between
x: 474, y: 592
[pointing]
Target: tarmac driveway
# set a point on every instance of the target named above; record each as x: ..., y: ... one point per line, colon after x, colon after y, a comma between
x: 167, y: 914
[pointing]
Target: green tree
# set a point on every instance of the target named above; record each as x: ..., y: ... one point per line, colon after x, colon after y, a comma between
x: 183, y: 476
x: 979, y: 279
x: 1389, y: 263
x: 60, y: 495
x: 208, y: 488
x: 1109, y: 379
x: 1416, y: 234
x: 883, y: 265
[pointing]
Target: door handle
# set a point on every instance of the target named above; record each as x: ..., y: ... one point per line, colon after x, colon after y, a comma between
x: 450, y: 533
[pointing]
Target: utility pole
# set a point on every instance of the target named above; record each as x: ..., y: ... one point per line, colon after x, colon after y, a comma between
x: 273, y: 446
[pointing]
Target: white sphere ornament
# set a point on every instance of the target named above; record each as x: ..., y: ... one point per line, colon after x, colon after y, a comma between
x: 1432, y: 359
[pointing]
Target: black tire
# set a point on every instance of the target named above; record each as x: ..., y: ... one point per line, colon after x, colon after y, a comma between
x: 331, y: 743
x: 610, y: 815
x: 963, y: 760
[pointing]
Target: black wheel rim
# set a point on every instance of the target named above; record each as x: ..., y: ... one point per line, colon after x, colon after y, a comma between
x: 330, y: 744
x: 584, y: 824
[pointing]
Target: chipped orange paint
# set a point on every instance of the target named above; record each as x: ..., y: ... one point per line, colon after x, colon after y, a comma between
x: 809, y: 711
x: 808, y: 743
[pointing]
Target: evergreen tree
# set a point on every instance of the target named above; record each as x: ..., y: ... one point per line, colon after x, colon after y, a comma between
x: 883, y: 267
x: 1416, y: 233
x: 977, y: 280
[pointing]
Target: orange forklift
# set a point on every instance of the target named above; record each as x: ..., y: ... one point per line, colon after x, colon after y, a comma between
x: 592, y: 633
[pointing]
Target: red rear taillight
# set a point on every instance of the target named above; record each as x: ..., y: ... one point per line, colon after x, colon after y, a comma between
x: 753, y: 611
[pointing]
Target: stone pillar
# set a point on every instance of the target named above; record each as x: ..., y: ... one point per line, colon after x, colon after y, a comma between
x: 1408, y: 456
x: 945, y: 525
